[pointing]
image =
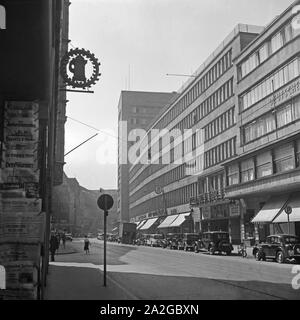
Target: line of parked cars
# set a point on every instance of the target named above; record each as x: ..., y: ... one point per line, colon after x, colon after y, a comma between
x: 281, y: 247
x: 212, y: 241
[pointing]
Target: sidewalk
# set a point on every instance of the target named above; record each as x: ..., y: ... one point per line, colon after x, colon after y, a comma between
x: 67, y: 250
x: 80, y: 281
x: 248, y: 249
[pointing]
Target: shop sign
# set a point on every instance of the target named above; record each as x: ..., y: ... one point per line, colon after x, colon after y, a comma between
x: 74, y: 68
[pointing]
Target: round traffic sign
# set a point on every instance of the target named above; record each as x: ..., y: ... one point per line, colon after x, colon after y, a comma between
x: 105, y: 202
x: 288, y: 210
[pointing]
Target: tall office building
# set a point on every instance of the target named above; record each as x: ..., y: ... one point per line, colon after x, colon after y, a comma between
x: 265, y: 174
x: 206, y: 107
x: 136, y: 110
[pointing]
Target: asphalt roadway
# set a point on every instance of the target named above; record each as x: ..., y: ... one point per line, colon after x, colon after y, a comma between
x: 140, y: 272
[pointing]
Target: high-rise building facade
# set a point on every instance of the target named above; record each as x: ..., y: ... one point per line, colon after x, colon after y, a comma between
x: 185, y: 162
x: 265, y: 174
x: 136, y: 110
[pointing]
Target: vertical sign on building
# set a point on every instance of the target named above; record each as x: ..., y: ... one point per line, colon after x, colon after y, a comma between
x: 21, y: 220
x: 2, y: 18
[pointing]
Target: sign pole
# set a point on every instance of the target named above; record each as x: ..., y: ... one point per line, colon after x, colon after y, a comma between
x: 288, y: 211
x: 105, y: 202
x: 104, y: 251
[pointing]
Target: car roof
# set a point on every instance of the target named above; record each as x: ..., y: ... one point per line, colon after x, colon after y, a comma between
x: 283, y: 235
x: 211, y: 232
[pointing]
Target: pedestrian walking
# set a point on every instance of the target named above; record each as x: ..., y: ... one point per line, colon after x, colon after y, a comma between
x: 53, y: 246
x: 86, y: 245
x: 63, y: 238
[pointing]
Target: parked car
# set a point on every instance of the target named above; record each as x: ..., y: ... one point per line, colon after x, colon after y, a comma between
x: 100, y: 236
x: 69, y: 236
x: 173, y: 239
x: 216, y: 241
x: 154, y: 240
x: 189, y: 240
x: 280, y: 247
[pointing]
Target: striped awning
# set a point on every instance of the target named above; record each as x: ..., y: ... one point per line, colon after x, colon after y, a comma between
x: 271, y: 209
x: 294, y: 203
x: 180, y: 219
x: 167, y: 221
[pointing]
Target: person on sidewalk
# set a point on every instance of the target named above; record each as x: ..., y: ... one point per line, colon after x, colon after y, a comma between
x: 86, y: 245
x: 63, y: 238
x: 53, y: 245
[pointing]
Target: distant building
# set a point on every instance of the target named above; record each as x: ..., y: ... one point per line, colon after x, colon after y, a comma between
x: 137, y: 109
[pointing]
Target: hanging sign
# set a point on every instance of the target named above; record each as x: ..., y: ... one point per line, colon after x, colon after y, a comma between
x: 75, y: 66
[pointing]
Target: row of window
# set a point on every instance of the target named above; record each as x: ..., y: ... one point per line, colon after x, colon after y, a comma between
x: 202, y: 84
x: 173, y: 198
x: 280, y: 159
x: 167, y: 178
x: 277, y: 80
x: 285, y: 35
x: 207, y: 106
x: 220, y: 124
x: 211, y: 183
x: 220, y: 153
x: 271, y: 121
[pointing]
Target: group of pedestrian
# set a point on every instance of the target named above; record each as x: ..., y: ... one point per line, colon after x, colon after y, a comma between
x: 55, y: 240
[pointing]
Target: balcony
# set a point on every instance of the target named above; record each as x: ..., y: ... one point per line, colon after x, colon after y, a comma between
x: 281, y: 182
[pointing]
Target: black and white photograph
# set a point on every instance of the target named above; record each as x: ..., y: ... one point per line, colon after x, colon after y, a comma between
x: 149, y: 154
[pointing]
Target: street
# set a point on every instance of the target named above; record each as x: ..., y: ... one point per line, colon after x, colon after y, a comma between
x: 156, y: 274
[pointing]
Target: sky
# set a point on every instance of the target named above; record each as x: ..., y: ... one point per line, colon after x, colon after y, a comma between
x: 139, y: 42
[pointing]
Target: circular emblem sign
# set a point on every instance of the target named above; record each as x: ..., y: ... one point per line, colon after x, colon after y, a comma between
x: 105, y: 202
x: 288, y: 210
x: 74, y: 66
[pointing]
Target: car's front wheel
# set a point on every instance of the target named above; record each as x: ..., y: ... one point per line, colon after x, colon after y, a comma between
x: 259, y: 255
x: 280, y: 257
x: 211, y: 251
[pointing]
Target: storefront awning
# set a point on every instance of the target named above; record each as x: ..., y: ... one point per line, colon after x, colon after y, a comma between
x: 294, y: 203
x: 270, y: 210
x: 148, y: 224
x: 167, y: 221
x: 141, y: 223
x: 180, y: 219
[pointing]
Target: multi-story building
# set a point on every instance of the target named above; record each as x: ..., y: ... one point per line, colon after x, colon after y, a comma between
x: 265, y: 174
x: 186, y: 163
x: 136, y: 110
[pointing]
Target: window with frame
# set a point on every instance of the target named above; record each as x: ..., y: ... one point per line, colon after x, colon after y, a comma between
x: 284, y: 158
x: 233, y: 174
x: 264, y: 165
x: 277, y: 42
x: 298, y: 153
x: 284, y: 115
x: 247, y: 170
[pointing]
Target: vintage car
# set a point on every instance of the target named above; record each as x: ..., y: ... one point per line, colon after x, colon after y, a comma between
x: 173, y: 240
x: 189, y: 240
x: 69, y: 236
x: 154, y: 240
x: 280, y: 247
x: 215, y: 241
